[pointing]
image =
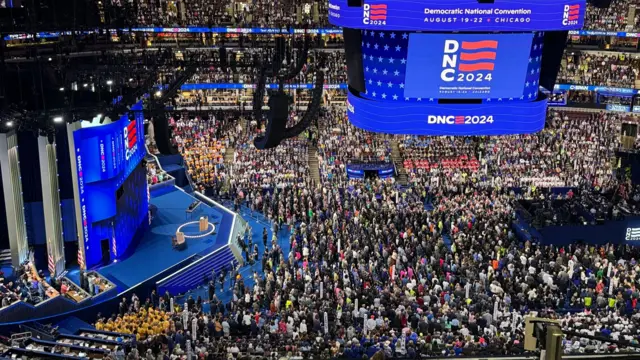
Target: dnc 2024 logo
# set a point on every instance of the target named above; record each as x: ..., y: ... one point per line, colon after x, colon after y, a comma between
x: 571, y: 15
x: 374, y: 14
x: 466, y: 61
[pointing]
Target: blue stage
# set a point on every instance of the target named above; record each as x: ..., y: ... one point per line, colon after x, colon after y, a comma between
x: 155, y: 254
x: 152, y: 259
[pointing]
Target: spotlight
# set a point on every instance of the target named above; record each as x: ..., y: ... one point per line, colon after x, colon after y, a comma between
x: 130, y: 79
x: 58, y: 119
x: 85, y: 85
x: 109, y: 82
x: 158, y: 93
x: 9, y: 123
x: 61, y: 89
x: 50, y: 59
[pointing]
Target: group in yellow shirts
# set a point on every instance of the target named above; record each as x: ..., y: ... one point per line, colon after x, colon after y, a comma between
x: 144, y: 323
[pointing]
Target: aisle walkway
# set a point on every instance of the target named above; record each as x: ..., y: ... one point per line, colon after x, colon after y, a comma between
x: 257, y: 222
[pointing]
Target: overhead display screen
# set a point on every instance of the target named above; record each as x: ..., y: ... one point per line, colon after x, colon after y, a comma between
x: 107, y: 149
x: 107, y: 159
x: 467, y: 66
x: 459, y: 15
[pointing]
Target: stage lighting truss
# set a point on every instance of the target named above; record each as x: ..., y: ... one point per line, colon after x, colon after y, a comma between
x: 276, y: 115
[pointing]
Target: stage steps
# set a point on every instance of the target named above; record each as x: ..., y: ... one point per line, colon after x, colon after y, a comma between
x: 196, y: 273
x: 398, y: 161
x: 314, y: 165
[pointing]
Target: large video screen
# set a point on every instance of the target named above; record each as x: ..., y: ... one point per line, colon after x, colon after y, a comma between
x: 106, y: 157
x: 467, y: 66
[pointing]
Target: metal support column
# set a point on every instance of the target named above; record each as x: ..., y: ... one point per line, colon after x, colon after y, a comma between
x: 51, y: 205
x: 13, y: 202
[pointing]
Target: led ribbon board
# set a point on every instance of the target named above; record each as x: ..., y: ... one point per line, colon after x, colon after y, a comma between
x: 430, y: 118
x: 459, y: 15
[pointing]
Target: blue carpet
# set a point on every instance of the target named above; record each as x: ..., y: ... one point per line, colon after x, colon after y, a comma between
x: 154, y: 254
x: 71, y: 325
x: 257, y: 222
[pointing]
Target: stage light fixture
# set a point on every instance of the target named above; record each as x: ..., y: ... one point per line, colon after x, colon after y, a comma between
x: 50, y: 59
x: 158, y: 93
x: 58, y: 119
x: 85, y: 85
x: 130, y: 79
x: 9, y: 123
x: 61, y: 89
x: 109, y: 82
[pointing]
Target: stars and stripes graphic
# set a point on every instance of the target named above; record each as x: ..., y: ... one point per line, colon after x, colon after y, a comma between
x: 52, y: 265
x: 572, y: 12
x: 81, y: 259
x: 633, y: 234
x: 132, y: 136
x: 378, y: 12
x: 459, y: 119
x: 475, y: 61
x: 384, y: 60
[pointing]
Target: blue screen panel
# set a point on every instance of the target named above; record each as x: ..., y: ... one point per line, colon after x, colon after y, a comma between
x: 466, y: 66
x: 108, y: 157
x: 431, y: 118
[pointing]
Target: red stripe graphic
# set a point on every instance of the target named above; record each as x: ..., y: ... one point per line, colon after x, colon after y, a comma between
x: 378, y: 6
x: 574, y: 12
x: 483, y: 55
x: 475, y: 45
x: 378, y: 12
x: 574, y: 17
x: 576, y: 6
x: 378, y: 17
x: 132, y: 139
x: 131, y: 125
x: 459, y: 120
x: 476, y: 67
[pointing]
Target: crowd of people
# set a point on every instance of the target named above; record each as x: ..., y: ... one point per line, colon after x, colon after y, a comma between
x: 600, y: 69
x: 26, y: 284
x: 391, y: 275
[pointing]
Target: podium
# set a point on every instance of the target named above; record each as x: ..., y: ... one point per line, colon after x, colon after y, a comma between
x: 204, y: 223
x: 180, y: 244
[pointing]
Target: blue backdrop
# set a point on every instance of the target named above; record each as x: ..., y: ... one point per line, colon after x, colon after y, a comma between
x: 112, y: 185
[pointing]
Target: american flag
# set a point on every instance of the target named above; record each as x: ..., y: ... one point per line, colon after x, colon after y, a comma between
x: 459, y: 120
x: 81, y: 259
x: 384, y: 59
x: 52, y: 265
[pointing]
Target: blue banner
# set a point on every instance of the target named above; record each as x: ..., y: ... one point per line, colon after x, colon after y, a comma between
x: 382, y: 169
x: 617, y: 107
x: 455, y: 66
x: 213, y: 86
x: 106, y: 156
x: 186, y: 30
x: 604, y: 33
x: 604, y: 89
x: 431, y: 118
x: 460, y: 15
